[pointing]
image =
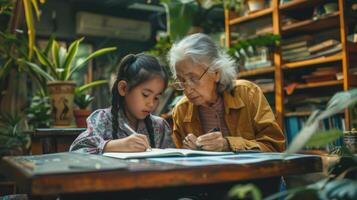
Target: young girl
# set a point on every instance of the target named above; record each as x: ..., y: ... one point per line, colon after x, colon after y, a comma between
x: 135, y: 94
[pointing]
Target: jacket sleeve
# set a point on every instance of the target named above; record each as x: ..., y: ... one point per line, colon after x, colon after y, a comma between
x: 177, y: 133
x: 94, y: 139
x: 268, y: 134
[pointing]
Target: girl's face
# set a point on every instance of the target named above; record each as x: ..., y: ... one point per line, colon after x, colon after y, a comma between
x: 143, y: 99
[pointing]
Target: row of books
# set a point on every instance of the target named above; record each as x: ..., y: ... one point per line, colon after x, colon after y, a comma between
x: 303, y: 48
x: 294, y: 124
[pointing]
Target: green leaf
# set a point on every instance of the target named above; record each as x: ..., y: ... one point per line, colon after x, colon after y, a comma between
x: 49, y: 45
x: 45, y: 62
x: 30, y: 27
x: 72, y: 52
x: 40, y: 71
x: 91, y: 56
x: 90, y: 85
x: 321, y: 139
x: 55, y: 54
x: 37, y: 10
x: 249, y: 191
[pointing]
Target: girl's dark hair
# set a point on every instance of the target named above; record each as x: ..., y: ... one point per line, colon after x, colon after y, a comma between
x: 135, y: 70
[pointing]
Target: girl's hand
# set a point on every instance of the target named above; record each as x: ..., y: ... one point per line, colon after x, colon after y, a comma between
x: 132, y: 143
x: 190, y: 142
x: 212, y: 142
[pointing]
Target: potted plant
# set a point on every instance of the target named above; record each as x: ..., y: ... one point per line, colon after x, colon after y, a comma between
x: 12, y: 138
x: 39, y: 113
x: 82, y: 101
x: 57, y: 68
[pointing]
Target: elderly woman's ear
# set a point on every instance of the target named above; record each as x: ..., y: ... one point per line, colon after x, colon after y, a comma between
x: 218, y: 76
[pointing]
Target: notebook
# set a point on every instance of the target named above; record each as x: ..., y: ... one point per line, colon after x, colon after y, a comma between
x: 169, y: 152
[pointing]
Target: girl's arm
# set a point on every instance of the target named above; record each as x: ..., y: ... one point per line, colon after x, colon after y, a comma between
x: 97, y: 135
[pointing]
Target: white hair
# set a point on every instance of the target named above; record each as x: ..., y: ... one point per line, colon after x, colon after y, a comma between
x: 202, y: 50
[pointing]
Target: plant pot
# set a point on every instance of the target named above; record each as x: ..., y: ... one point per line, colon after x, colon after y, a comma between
x: 255, y: 5
x: 62, y: 97
x: 81, y: 117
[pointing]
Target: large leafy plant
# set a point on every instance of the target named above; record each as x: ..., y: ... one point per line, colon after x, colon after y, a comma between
x: 59, y: 65
x: 12, y: 138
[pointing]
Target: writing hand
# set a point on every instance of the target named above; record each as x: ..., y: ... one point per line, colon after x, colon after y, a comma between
x: 133, y: 143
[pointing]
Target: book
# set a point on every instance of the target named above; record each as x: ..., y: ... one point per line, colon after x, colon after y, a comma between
x: 169, y: 152
x: 323, y: 45
x: 299, y: 44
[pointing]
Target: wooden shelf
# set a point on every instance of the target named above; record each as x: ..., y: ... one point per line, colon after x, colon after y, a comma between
x: 311, y: 25
x: 254, y: 72
x: 298, y: 4
x: 251, y: 16
x: 320, y: 84
x: 315, y: 61
x: 297, y: 114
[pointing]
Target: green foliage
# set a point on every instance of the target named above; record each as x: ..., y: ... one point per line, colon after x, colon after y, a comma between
x: 39, y: 113
x: 180, y: 15
x: 236, y: 5
x: 161, y: 49
x: 83, y: 100
x: 248, y: 191
x: 6, y: 7
x: 248, y: 46
x: 12, y: 138
x: 322, y: 138
x: 59, y: 65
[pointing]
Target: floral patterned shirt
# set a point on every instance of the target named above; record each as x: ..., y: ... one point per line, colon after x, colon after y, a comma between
x: 99, y: 132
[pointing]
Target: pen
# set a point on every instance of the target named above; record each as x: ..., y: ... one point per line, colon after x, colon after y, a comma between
x: 199, y: 147
x: 132, y: 131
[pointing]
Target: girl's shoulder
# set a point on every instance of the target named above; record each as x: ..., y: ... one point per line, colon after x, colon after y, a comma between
x: 101, y: 114
x: 158, y: 121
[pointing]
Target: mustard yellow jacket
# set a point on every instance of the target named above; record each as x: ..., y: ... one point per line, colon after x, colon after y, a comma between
x: 249, y: 118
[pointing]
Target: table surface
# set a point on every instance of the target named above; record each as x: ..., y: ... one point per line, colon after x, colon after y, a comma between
x: 120, y: 175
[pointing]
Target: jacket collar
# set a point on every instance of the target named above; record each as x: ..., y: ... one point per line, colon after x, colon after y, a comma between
x: 230, y: 102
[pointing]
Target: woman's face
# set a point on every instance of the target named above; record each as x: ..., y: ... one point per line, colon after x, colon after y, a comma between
x: 200, y: 92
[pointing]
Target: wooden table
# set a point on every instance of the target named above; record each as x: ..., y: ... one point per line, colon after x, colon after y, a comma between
x: 53, y: 140
x: 156, y: 180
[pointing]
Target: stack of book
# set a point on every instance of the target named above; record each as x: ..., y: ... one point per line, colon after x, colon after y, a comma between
x: 322, y: 49
x: 296, y: 48
x: 322, y: 74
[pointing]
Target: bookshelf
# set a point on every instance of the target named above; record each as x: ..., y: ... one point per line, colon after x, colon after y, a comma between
x: 281, y: 69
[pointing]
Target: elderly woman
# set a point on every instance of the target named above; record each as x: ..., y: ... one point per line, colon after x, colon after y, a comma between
x: 218, y: 112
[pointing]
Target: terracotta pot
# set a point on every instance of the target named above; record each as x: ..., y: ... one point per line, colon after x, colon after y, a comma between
x: 255, y: 5
x: 62, y: 97
x: 81, y: 117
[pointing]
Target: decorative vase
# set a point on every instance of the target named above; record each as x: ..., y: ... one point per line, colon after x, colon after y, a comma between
x: 81, y: 117
x: 255, y: 5
x: 62, y: 101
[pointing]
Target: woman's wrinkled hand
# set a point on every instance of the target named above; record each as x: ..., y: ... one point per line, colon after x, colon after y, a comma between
x: 213, y: 141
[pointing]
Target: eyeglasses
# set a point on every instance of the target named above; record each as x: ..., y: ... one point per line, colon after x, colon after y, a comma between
x: 192, y: 82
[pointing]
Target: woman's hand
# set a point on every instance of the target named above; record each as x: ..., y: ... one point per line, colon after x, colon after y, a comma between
x: 132, y: 143
x: 212, y: 142
x: 190, y: 142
